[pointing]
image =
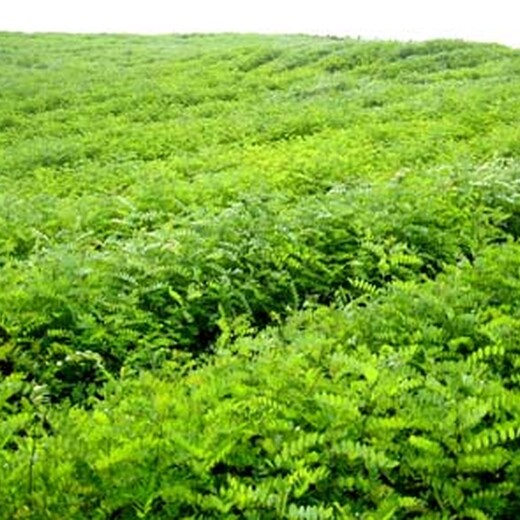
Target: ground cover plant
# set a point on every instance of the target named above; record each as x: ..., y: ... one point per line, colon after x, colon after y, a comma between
x: 258, y: 277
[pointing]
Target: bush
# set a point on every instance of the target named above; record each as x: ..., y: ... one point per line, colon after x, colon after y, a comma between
x: 316, y: 419
x: 139, y: 299
x: 258, y: 277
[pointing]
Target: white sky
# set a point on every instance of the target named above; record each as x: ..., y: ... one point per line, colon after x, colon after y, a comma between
x: 479, y: 20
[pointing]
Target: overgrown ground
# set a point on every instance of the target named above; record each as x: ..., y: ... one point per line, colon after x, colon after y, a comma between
x: 258, y: 277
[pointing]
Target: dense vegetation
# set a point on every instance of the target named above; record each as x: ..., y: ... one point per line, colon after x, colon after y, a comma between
x: 258, y: 277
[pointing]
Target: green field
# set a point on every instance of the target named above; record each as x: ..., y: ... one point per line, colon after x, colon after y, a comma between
x: 260, y: 277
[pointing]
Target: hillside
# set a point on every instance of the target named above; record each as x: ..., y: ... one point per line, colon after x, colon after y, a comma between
x: 258, y: 277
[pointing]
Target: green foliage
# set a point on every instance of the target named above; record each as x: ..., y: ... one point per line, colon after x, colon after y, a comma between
x: 133, y: 299
x: 299, y: 422
x: 258, y: 277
